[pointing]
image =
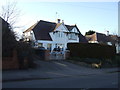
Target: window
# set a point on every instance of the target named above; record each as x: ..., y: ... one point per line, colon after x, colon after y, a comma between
x: 59, y: 34
x: 40, y: 44
x: 72, y: 36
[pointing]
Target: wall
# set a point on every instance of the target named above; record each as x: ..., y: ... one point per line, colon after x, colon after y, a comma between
x: 62, y: 39
x: 10, y: 62
x: 43, y: 54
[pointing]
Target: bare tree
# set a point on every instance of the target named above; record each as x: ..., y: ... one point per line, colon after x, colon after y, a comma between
x: 10, y: 12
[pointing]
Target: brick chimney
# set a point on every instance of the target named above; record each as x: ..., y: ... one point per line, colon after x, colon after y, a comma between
x: 63, y: 21
x: 58, y: 20
x: 107, y: 33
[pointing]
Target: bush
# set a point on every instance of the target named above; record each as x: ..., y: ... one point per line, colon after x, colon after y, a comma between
x: 91, y: 50
x: 116, y: 60
x: 9, y: 43
x: 8, y: 40
x: 25, y: 51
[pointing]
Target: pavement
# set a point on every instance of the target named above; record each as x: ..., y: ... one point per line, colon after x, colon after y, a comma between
x: 53, y: 69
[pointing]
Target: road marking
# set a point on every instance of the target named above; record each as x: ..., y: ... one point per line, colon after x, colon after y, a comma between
x: 60, y: 64
x: 58, y: 74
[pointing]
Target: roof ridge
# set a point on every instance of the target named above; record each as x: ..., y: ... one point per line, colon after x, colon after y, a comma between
x: 48, y: 21
x: 31, y: 27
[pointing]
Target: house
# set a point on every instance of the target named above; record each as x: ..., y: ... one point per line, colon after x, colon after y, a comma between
x: 115, y: 40
x: 104, y: 39
x: 52, y: 35
x: 97, y: 38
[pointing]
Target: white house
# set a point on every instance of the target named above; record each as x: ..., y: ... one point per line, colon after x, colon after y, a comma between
x: 52, y: 35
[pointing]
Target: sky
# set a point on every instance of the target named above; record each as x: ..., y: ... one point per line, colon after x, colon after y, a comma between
x: 92, y: 15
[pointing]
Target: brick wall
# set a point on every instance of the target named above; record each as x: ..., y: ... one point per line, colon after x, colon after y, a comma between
x: 47, y: 55
x: 67, y: 54
x: 43, y: 54
x: 10, y: 62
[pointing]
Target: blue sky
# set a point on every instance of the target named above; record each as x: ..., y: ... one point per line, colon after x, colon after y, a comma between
x: 97, y: 16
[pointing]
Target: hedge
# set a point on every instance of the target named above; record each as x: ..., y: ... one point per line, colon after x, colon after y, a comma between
x: 91, y: 50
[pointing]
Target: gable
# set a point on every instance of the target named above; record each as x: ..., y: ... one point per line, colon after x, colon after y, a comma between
x: 74, y: 30
x: 62, y: 27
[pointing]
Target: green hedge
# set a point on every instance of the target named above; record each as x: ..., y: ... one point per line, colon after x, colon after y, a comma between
x: 91, y: 50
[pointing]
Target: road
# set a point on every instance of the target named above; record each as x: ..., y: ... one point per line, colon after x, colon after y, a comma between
x: 61, y: 74
x: 108, y: 80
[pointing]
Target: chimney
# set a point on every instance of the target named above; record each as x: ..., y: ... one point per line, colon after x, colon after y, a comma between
x: 58, y: 20
x: 107, y: 33
x: 63, y: 21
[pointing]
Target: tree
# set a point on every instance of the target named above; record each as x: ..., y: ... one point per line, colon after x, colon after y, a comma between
x: 10, y: 13
x: 90, y: 32
x: 8, y: 39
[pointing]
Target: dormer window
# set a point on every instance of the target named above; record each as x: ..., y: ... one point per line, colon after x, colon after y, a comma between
x: 72, y: 36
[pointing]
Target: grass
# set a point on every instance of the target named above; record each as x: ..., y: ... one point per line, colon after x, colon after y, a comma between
x: 106, y: 62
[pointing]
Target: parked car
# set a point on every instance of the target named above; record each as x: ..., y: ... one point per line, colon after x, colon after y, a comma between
x: 41, y: 48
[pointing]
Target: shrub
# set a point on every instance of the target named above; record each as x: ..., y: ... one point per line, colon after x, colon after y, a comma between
x: 116, y: 60
x: 9, y: 43
x: 8, y: 40
x: 91, y: 50
x: 25, y: 51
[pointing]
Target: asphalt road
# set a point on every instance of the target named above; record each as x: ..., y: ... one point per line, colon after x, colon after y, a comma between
x: 107, y: 80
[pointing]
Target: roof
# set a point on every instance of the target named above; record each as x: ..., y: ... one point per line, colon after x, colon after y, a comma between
x: 58, y: 24
x: 70, y: 27
x: 100, y: 37
x: 29, y: 29
x: 114, y: 38
x: 42, y: 28
x: 82, y: 39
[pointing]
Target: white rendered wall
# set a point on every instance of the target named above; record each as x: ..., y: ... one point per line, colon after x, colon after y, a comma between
x: 59, y: 37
